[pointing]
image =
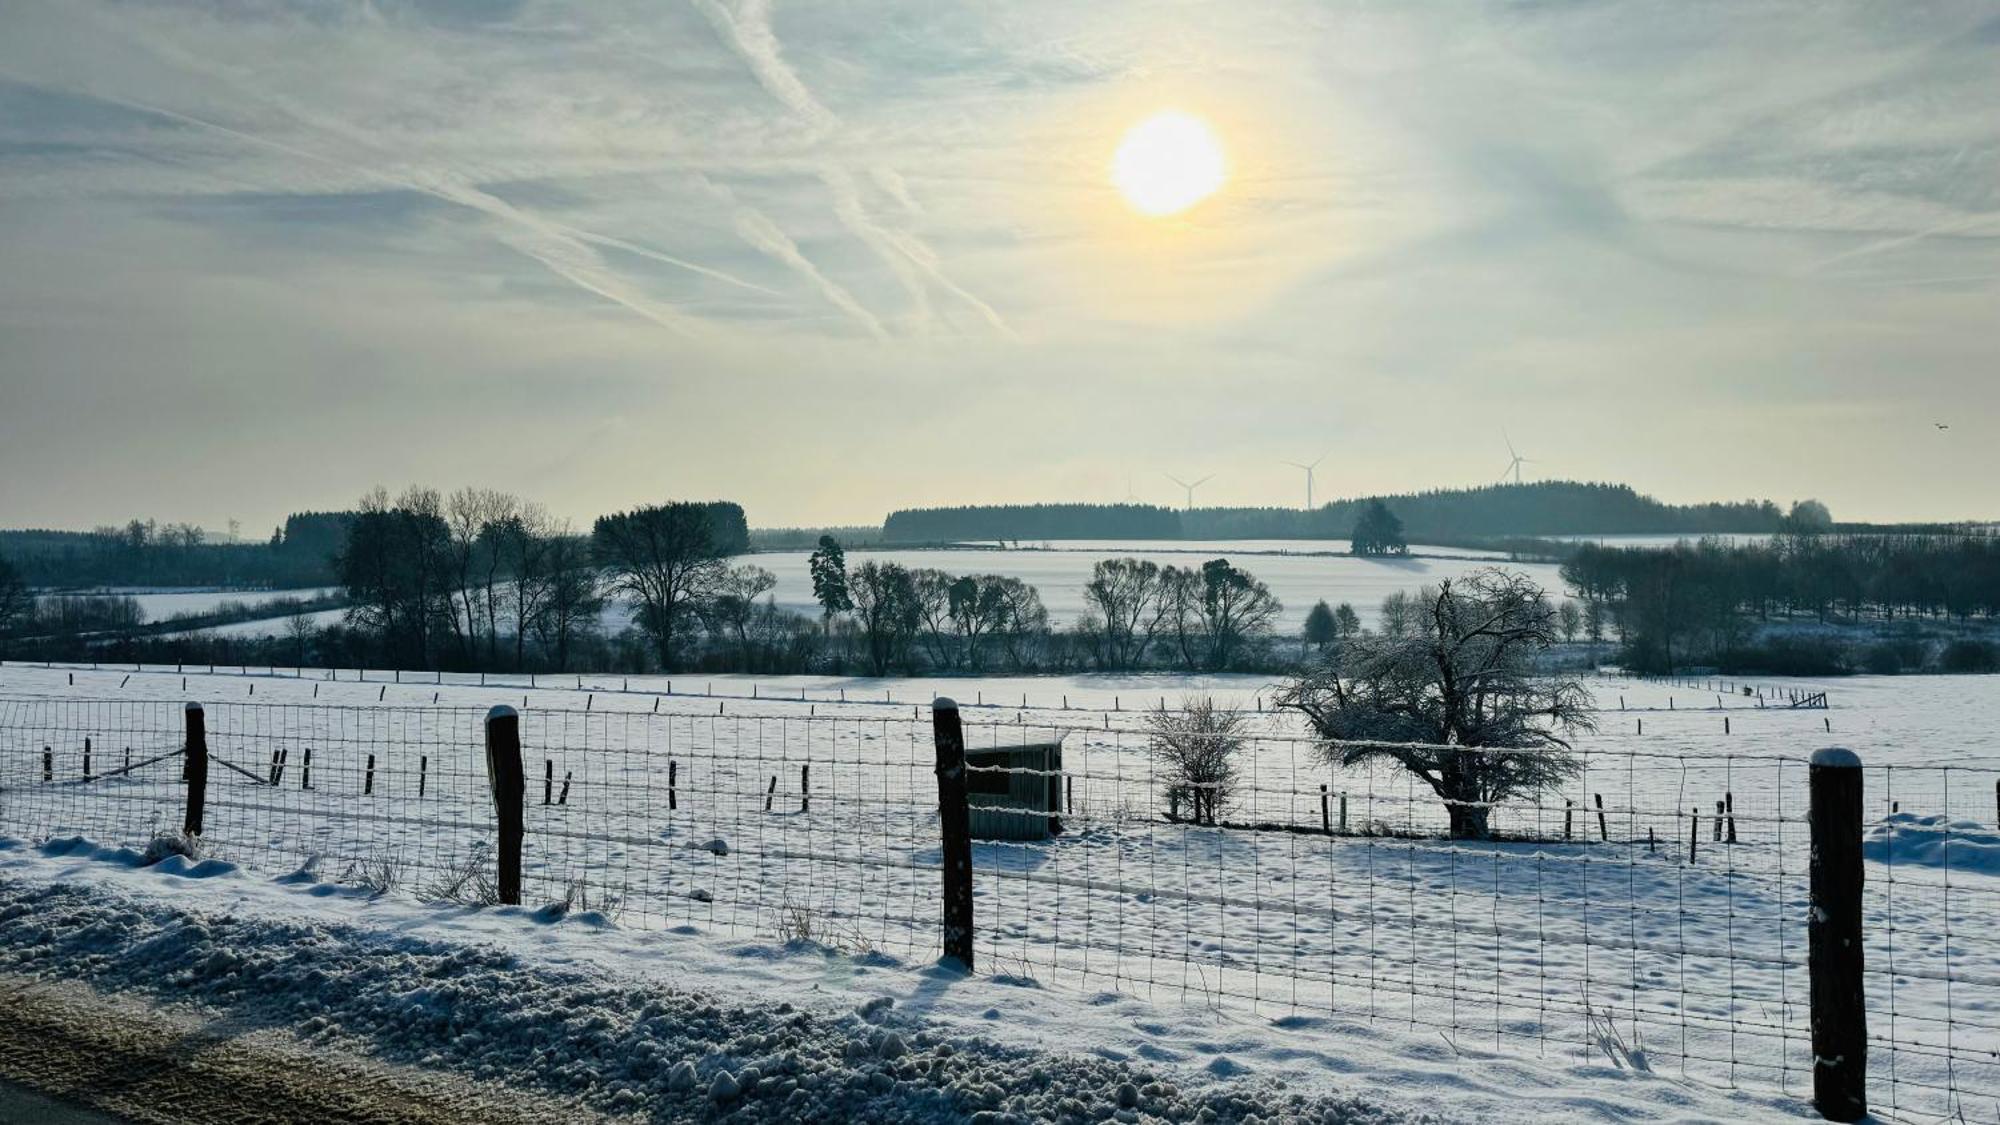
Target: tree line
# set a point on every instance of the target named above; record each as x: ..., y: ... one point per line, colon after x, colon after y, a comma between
x: 1458, y: 516
x: 1710, y: 602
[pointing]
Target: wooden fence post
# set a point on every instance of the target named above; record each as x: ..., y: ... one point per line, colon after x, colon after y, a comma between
x: 805, y: 788
x: 368, y: 779
x: 86, y: 759
x: 956, y: 830
x: 673, y: 779
x: 195, y: 754
x: 1325, y: 814
x: 503, y: 773
x: 1833, y: 938
x: 1603, y: 830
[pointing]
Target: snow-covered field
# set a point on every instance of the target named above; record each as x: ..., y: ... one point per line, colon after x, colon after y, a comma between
x: 1298, y: 572
x: 797, y: 811
x: 161, y: 604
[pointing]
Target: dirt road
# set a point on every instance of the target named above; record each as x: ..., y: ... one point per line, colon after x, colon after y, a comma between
x: 122, y: 1061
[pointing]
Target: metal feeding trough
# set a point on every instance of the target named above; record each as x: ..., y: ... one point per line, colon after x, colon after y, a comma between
x: 1015, y: 792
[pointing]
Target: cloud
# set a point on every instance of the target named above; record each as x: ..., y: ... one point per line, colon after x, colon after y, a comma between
x: 728, y: 239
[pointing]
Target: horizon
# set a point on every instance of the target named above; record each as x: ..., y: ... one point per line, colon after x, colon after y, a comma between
x: 247, y: 535
x: 830, y: 263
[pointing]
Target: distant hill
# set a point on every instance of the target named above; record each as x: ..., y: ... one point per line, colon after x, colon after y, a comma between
x: 1439, y: 516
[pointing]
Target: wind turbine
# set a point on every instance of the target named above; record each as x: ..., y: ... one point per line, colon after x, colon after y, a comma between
x: 1515, y: 460
x: 1190, y: 487
x: 1309, y: 475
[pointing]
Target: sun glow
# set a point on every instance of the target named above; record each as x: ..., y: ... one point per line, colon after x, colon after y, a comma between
x: 1168, y: 163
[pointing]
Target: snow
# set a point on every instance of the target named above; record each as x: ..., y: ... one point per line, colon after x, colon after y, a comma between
x: 161, y: 604
x: 1531, y: 953
x: 1960, y: 846
x: 691, y: 1024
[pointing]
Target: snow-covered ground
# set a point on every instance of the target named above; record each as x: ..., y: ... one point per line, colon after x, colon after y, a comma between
x: 1613, y: 944
x: 161, y: 604
x: 667, y: 1025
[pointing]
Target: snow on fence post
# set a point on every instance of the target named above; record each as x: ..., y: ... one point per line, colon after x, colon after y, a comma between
x: 956, y: 830
x: 503, y: 773
x: 194, y: 754
x: 1833, y: 936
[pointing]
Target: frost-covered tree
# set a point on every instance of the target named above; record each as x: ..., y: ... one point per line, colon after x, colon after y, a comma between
x: 1197, y: 747
x: 1457, y: 701
x: 1570, y: 619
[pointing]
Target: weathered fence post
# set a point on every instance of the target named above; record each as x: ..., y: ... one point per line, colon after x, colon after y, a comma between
x: 195, y: 755
x: 1603, y: 830
x: 1569, y: 811
x: 548, y: 780
x: 956, y: 830
x: 1325, y: 814
x: 306, y: 770
x: 1729, y: 807
x: 1343, y: 812
x: 86, y: 759
x: 423, y: 773
x: 48, y: 763
x: 503, y: 773
x: 805, y: 788
x: 368, y: 779
x: 673, y: 779
x: 1833, y: 938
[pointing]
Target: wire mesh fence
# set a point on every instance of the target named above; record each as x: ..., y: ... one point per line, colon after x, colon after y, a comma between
x: 1651, y: 912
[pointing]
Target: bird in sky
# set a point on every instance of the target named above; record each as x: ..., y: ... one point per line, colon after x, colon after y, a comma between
x: 1941, y: 425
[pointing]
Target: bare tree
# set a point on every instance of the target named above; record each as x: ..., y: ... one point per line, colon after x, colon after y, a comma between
x: 733, y: 608
x: 300, y: 630
x: 1457, y: 700
x: 666, y: 559
x: 885, y: 611
x: 1197, y: 747
x: 572, y: 596
x: 1125, y: 595
x: 1021, y: 621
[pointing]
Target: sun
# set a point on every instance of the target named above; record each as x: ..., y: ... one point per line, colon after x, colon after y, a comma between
x: 1168, y: 163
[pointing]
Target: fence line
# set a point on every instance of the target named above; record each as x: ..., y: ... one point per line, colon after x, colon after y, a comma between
x: 1652, y: 912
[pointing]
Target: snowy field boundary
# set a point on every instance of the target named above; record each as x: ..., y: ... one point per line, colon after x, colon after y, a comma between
x: 1619, y: 919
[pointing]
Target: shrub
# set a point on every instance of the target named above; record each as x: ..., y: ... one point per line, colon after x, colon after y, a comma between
x: 1969, y: 656
x: 1197, y: 746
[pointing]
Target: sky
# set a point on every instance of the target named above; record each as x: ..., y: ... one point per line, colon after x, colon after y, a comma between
x: 830, y: 259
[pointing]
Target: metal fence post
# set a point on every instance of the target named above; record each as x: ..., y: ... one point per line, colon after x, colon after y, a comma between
x: 195, y: 756
x: 503, y: 771
x: 1833, y: 937
x: 956, y: 829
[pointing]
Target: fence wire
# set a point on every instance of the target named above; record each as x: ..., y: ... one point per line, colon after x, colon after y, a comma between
x: 1649, y: 913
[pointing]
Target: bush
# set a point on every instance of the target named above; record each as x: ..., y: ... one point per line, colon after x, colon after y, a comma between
x: 1883, y: 659
x: 1789, y: 656
x: 1197, y: 747
x: 1969, y: 656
